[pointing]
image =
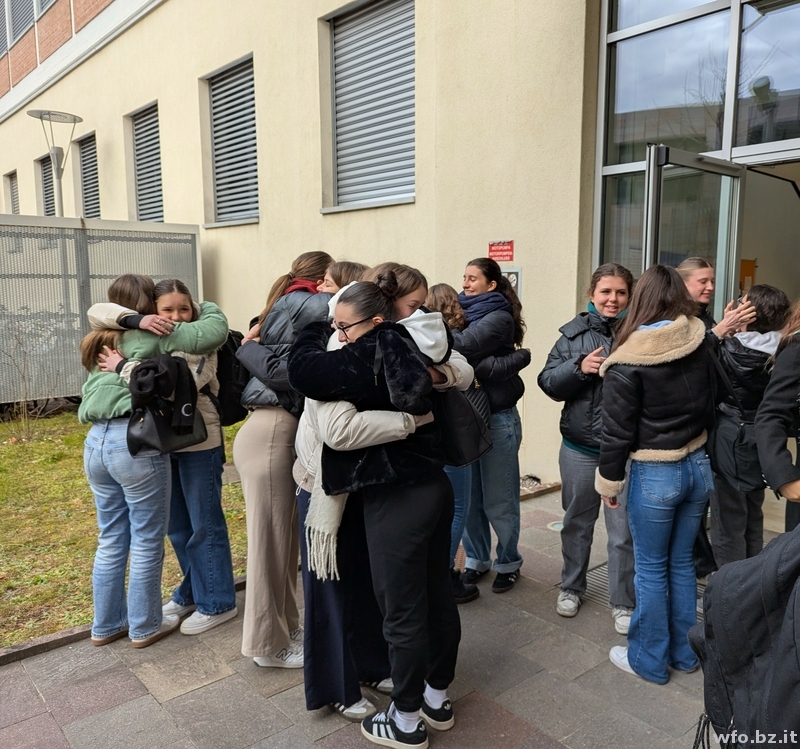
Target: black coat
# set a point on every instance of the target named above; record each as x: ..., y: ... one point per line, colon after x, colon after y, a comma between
x: 748, y: 375
x: 748, y: 643
x: 563, y: 380
x: 266, y: 361
x: 493, y: 336
x: 777, y: 418
x: 402, y: 383
x: 658, y: 399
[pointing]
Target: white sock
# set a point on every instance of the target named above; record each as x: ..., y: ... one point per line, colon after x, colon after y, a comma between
x: 435, y: 697
x: 406, y: 722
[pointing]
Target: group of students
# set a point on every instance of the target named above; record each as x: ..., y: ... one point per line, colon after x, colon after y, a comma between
x: 341, y: 462
x: 651, y: 385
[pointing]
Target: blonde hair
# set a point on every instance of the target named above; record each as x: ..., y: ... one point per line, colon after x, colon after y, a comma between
x: 691, y: 264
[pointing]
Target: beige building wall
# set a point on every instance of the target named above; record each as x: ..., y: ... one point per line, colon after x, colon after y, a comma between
x: 505, y: 134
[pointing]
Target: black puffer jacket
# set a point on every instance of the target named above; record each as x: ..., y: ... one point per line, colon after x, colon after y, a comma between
x: 266, y: 361
x: 493, y: 335
x: 748, y: 374
x: 777, y: 418
x: 402, y: 383
x: 658, y: 399
x: 563, y: 380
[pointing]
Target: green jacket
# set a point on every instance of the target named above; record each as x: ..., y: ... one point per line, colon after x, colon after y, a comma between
x: 106, y: 395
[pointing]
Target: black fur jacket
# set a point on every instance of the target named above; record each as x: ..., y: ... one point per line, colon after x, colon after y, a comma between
x: 382, y: 370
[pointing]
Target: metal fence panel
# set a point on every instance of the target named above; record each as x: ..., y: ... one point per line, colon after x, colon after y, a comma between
x: 51, y: 272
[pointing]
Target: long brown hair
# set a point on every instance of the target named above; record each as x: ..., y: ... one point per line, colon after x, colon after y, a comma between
x: 134, y: 291
x: 310, y: 266
x: 791, y: 328
x: 660, y: 294
x: 343, y: 272
x: 93, y: 343
x: 492, y: 272
x: 444, y: 298
x: 408, y: 279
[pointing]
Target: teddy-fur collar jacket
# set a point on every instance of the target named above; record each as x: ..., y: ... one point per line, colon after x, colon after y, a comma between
x: 658, y: 399
x: 383, y: 370
x: 266, y: 360
x: 562, y: 378
x: 493, y: 336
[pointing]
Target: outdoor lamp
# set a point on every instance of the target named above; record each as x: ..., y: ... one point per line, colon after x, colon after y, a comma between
x: 58, y: 158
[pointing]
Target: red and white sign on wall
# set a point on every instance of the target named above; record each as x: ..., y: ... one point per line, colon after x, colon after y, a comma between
x: 502, y: 250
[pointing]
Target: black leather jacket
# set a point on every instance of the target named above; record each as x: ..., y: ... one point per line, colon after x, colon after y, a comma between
x: 493, y: 335
x: 658, y: 399
x: 266, y: 360
x: 749, y: 376
x: 562, y: 378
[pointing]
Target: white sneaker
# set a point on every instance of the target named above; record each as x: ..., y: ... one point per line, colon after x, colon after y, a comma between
x: 622, y: 619
x: 169, y: 624
x: 296, y: 636
x: 619, y: 657
x: 384, y: 686
x: 198, y: 622
x: 175, y: 609
x: 357, y: 711
x: 568, y: 603
x: 285, y: 658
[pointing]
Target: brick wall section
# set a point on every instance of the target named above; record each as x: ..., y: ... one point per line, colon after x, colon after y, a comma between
x: 23, y: 56
x: 55, y: 28
x: 86, y: 10
x: 5, y: 79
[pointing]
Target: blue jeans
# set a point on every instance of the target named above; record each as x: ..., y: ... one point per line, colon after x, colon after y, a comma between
x: 461, y: 479
x: 199, y: 534
x: 665, y: 504
x: 495, y: 498
x: 132, y: 499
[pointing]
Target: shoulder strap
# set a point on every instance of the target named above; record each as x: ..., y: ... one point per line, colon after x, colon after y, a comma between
x: 723, y: 376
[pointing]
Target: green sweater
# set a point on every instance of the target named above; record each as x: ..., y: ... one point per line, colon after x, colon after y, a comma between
x: 106, y: 395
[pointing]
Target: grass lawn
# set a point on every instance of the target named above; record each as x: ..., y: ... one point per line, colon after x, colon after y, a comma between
x: 48, y: 530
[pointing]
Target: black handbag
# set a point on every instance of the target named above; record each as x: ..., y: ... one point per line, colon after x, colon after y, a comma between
x: 464, y: 432
x: 150, y: 430
x: 476, y: 395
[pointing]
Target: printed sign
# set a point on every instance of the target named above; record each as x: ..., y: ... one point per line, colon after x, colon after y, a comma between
x: 514, y: 276
x: 502, y: 250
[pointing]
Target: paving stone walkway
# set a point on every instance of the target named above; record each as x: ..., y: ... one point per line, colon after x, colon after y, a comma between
x: 527, y: 679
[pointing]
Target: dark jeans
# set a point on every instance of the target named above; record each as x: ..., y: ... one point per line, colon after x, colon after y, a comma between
x: 737, y: 522
x: 408, y: 534
x: 343, y: 641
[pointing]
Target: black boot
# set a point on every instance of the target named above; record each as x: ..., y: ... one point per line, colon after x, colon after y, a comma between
x: 463, y: 593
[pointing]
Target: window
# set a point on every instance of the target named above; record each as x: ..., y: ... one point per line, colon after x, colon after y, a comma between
x: 233, y: 143
x: 3, y: 35
x: 22, y: 15
x: 90, y: 182
x: 48, y: 191
x: 44, y: 5
x: 147, y: 165
x: 373, y: 100
x: 13, y: 192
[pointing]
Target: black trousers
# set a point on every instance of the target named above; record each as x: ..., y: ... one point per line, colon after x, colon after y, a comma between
x: 408, y: 535
x: 344, y: 641
x: 737, y: 522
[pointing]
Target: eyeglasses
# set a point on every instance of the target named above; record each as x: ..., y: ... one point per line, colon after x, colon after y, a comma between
x: 345, y: 328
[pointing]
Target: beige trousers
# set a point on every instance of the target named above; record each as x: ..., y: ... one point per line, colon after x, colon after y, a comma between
x: 263, y: 452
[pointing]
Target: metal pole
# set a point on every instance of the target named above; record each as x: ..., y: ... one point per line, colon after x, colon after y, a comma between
x: 57, y: 160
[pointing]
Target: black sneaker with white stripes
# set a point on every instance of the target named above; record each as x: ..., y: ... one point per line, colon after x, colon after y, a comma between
x: 504, y: 581
x: 381, y: 729
x: 441, y: 719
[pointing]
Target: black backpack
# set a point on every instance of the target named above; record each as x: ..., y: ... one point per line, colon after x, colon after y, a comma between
x: 232, y: 376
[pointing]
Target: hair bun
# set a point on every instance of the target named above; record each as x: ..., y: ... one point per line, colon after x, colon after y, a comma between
x: 387, y: 283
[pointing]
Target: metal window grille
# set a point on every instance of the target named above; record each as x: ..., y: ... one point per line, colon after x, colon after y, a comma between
x: 3, y: 35
x: 13, y: 188
x: 48, y: 194
x: 90, y: 181
x: 44, y: 5
x: 147, y: 166
x: 373, y: 99
x: 22, y: 15
x: 233, y: 143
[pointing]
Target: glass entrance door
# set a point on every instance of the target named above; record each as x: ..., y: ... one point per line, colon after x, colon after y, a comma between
x: 692, y: 209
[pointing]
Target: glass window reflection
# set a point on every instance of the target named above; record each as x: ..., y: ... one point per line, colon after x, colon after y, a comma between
x: 623, y: 218
x: 769, y: 73
x: 668, y: 87
x: 627, y: 13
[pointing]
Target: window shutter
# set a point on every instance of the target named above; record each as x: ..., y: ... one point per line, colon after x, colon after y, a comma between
x: 147, y: 166
x: 3, y: 33
x: 44, y: 5
x: 373, y: 81
x: 233, y: 143
x: 22, y: 15
x: 48, y: 194
x: 13, y: 186
x: 90, y: 182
